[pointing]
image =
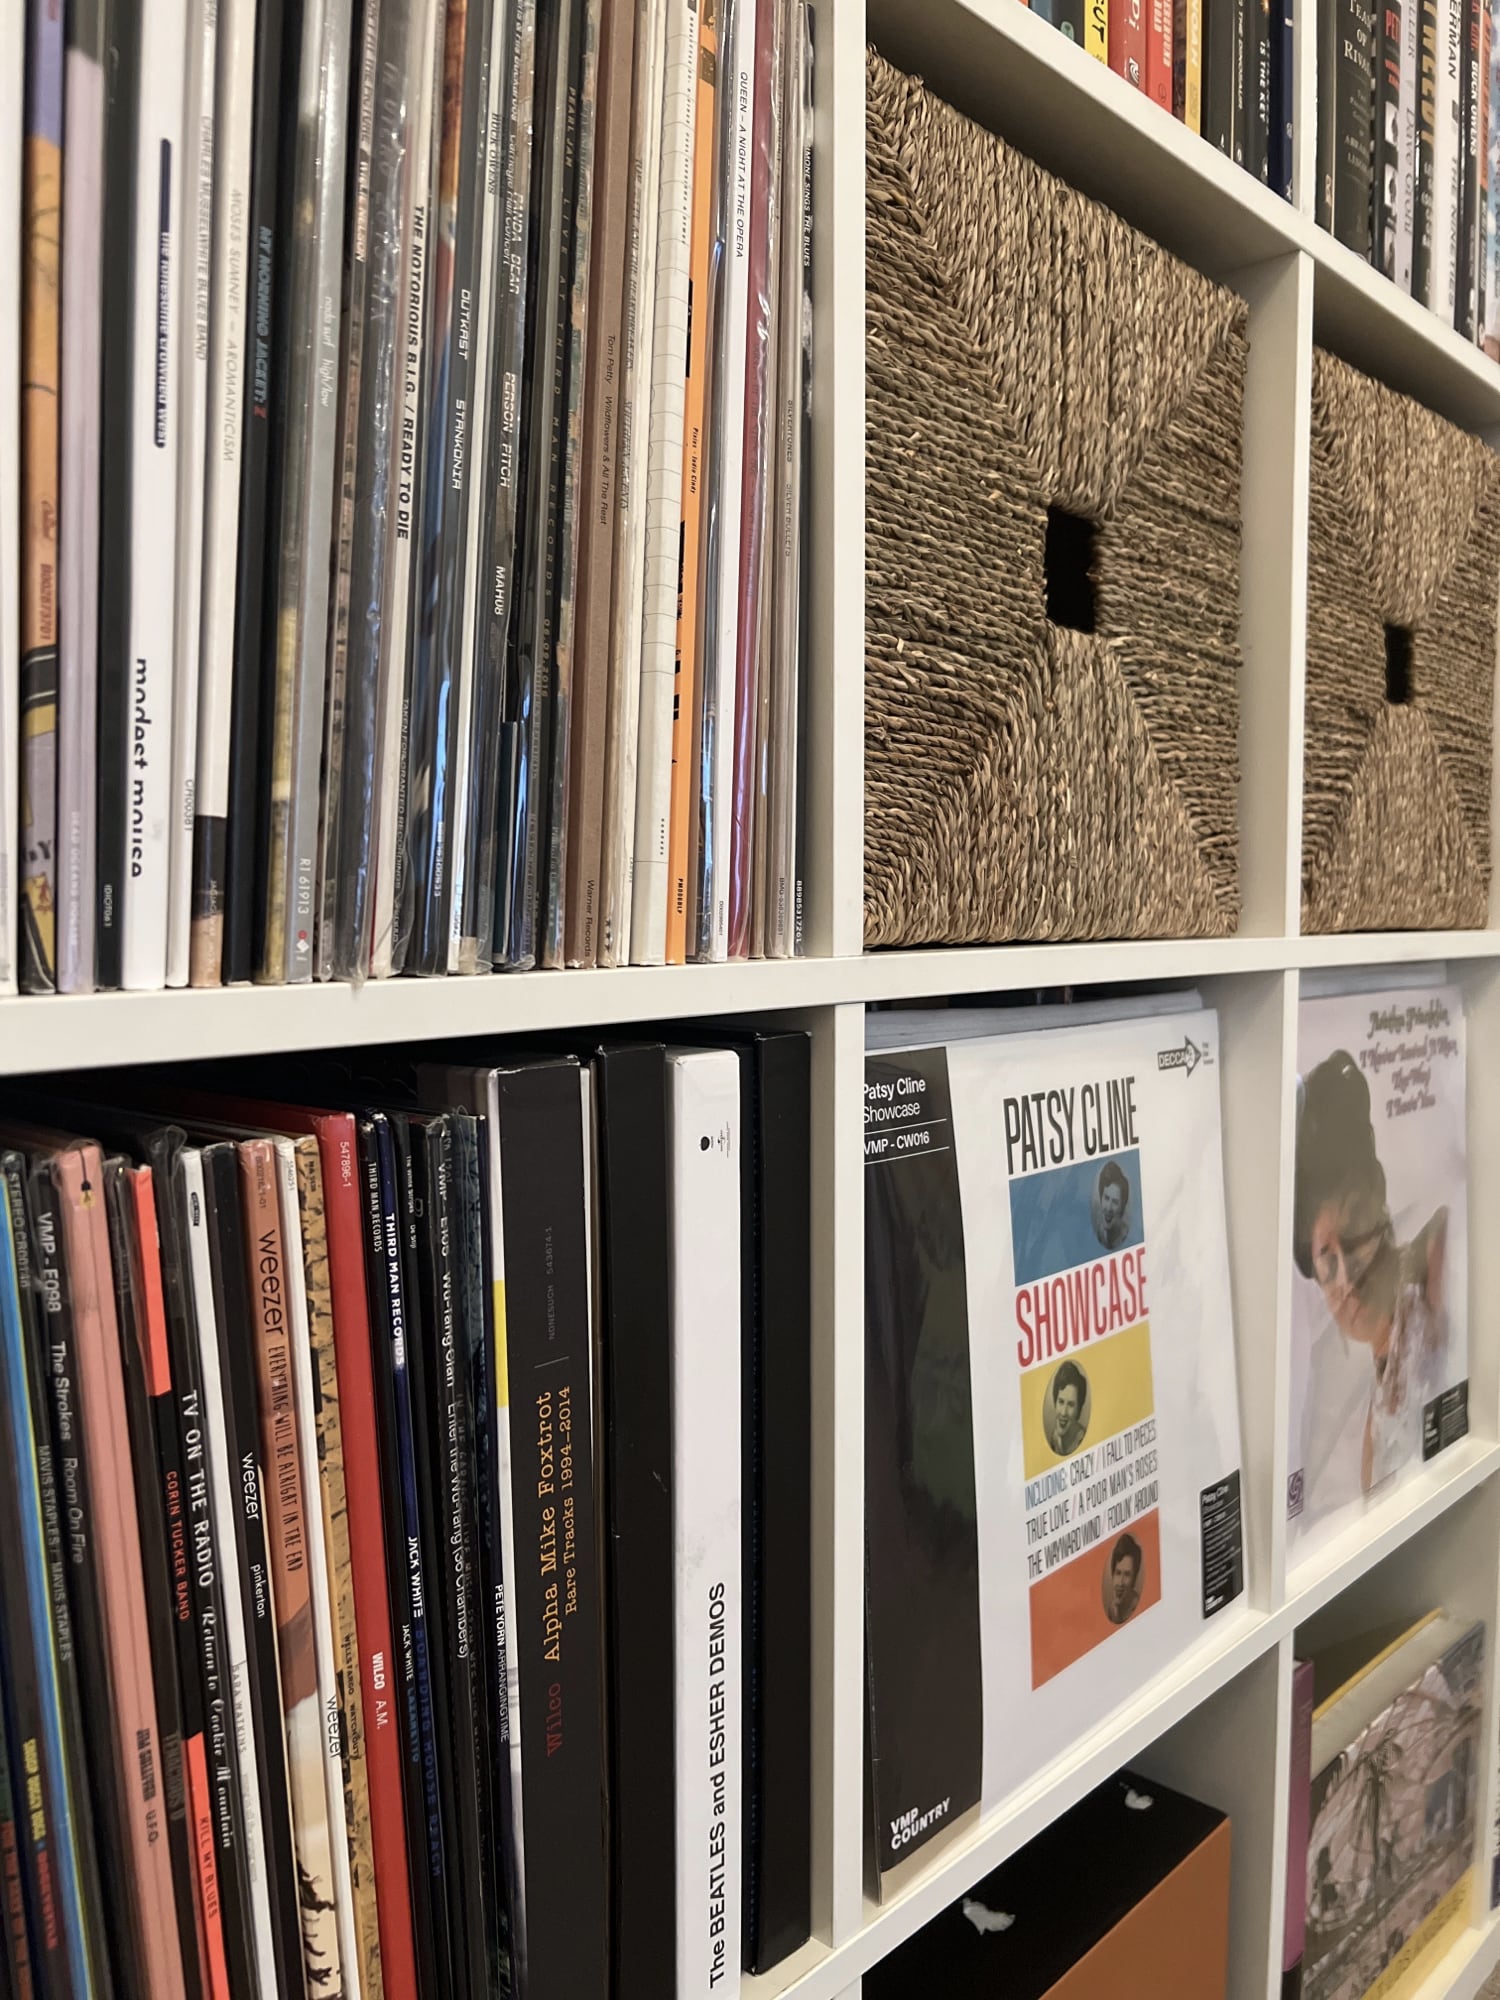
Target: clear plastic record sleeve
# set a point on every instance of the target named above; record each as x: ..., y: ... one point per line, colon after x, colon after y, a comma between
x: 493, y: 768
x: 351, y: 805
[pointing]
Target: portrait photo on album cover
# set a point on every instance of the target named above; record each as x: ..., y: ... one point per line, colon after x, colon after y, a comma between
x: 1124, y: 1579
x: 1109, y: 1206
x: 1066, y: 1409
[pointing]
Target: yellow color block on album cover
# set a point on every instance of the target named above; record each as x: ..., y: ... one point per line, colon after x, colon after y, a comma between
x: 1058, y: 1420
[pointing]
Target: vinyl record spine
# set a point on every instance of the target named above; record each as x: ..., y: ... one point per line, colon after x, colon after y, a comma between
x: 224, y: 1478
x: 1466, y: 281
x: 161, y: 240
x: 263, y: 1756
x: 621, y: 745
x: 390, y: 920
x: 78, y: 553
x: 291, y: 1564
x: 1386, y: 193
x: 195, y: 254
x: 663, y: 508
x: 12, y: 156
x: 1422, y: 228
x: 41, y: 367
x: 1408, y: 148
x: 234, y: 261
x: 117, y: 390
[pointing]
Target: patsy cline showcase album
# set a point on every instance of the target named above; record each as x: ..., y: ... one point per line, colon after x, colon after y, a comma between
x: 1380, y: 1254
x: 1052, y: 1424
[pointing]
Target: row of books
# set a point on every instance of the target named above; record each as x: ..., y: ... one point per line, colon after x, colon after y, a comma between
x: 1383, y: 1806
x: 407, y: 1587
x: 1053, y: 1459
x: 403, y: 413
x: 1224, y: 67
x: 1409, y: 149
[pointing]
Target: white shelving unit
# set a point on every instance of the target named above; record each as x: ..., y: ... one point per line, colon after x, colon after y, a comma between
x: 1218, y: 1720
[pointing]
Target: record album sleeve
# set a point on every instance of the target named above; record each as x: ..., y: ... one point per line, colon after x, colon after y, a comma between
x: 1380, y: 1250
x: 1052, y: 1423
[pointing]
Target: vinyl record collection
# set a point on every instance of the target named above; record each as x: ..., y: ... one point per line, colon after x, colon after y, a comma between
x: 401, y: 1596
x: 1224, y: 67
x: 403, y: 537
x: 1409, y: 149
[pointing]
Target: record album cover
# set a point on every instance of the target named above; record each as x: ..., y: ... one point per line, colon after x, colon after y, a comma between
x: 1052, y: 1429
x: 1379, y: 1250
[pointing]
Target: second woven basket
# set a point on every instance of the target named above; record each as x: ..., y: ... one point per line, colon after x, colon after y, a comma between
x: 1052, y: 492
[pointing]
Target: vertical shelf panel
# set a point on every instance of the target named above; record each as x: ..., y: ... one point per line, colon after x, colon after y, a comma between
x: 835, y: 793
x: 1258, y: 1044
x: 1273, y: 589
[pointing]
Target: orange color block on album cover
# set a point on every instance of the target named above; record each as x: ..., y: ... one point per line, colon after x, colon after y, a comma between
x: 1073, y: 1610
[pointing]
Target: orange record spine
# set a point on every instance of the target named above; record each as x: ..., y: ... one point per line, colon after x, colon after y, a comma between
x: 694, y: 461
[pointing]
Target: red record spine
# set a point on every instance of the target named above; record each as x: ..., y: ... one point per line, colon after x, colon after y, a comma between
x: 351, y: 1341
x: 1159, y: 53
x: 1127, y: 40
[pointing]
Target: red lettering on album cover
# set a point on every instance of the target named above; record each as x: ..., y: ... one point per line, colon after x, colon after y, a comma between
x: 1059, y: 1313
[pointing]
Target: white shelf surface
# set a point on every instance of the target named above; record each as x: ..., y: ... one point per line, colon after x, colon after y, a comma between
x: 59, y: 1032
x: 1464, y: 1969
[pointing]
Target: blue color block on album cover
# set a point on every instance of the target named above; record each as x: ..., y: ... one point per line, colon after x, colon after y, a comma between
x: 1069, y: 1215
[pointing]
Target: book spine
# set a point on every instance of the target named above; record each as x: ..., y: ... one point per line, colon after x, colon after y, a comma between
x: 195, y: 256
x: 1158, y: 84
x: 1466, y: 277
x: 1299, y: 1781
x: 1447, y: 160
x: 1281, y: 148
x: 360, y: 1456
x: 696, y: 413
x: 648, y: 927
x: 1258, y: 87
x: 1427, y: 76
x: 600, y: 450
x: 1218, y: 74
x: 1353, y: 167
x: 1068, y: 16
x: 41, y: 367
x: 1490, y: 325
x: 547, y: 1333
x: 1096, y: 29
x: 1127, y: 41
x: 1407, y: 145
x: 228, y: 327
x: 156, y: 419
x: 1484, y: 220
x: 262, y: 1740
x: 617, y: 861
x: 1242, y: 71
x: 78, y: 554
x: 1327, y: 88
x: 703, y: 1096
x: 258, y: 1938
x: 290, y: 1565
x: 1385, y: 197
x: 294, y: 1159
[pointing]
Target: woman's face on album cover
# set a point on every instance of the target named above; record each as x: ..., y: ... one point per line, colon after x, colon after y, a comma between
x: 1348, y: 1236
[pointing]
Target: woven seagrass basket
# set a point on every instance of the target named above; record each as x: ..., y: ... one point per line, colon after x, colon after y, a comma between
x: 1403, y: 579
x: 1052, y: 494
